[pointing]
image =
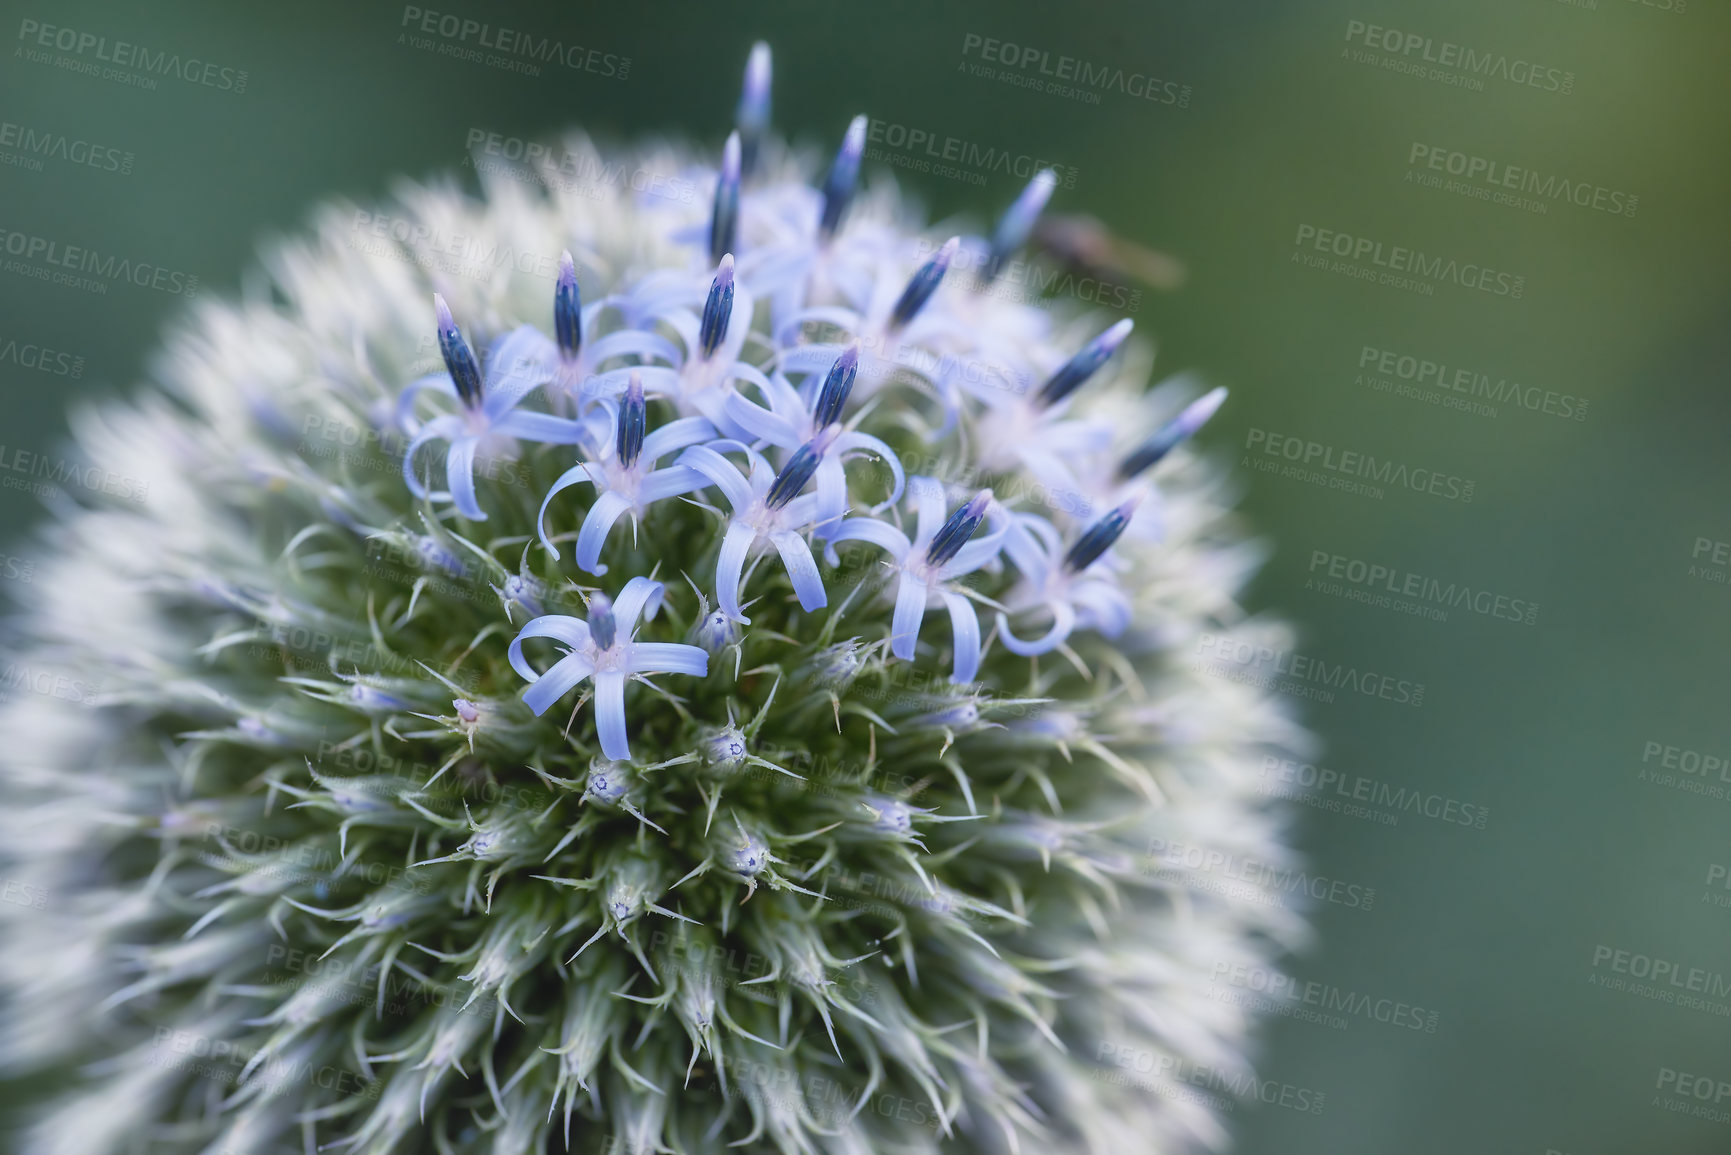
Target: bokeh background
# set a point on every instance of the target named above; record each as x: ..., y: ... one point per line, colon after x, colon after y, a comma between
x: 1585, y: 739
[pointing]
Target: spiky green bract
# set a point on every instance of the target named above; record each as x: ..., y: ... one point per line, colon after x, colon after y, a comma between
x: 313, y: 875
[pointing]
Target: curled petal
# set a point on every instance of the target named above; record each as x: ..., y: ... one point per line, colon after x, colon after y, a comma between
x: 676, y: 435
x: 722, y: 474
x: 445, y: 427
x: 576, y: 475
x: 518, y: 363
x: 911, y: 597
x: 729, y: 565
x: 965, y: 624
x: 760, y: 424
x: 801, y: 569
x: 543, y: 427
x: 573, y: 632
x: 667, y: 658
x: 557, y: 681
x: 641, y: 596
x: 928, y: 495
x: 460, y: 477
x: 854, y: 441
x: 879, y: 533
x: 597, y: 524
x: 610, y: 715
x: 674, y: 481
x: 405, y: 414
x: 1063, y: 622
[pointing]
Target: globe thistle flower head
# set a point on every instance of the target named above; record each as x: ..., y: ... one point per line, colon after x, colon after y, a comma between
x: 706, y: 833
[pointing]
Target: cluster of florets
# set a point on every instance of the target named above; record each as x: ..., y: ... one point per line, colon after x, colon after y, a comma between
x: 587, y: 718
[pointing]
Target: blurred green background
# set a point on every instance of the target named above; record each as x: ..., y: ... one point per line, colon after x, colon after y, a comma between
x: 1290, y: 120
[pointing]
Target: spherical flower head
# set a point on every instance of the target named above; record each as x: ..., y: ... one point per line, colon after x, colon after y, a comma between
x: 615, y: 735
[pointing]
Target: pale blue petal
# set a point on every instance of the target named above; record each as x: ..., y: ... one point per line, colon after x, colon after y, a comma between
x: 610, y: 715
x: 965, y: 625
x: 542, y: 427
x: 573, y: 632
x: 865, y: 442
x: 674, y: 481
x: 760, y: 424
x: 879, y: 533
x: 460, y: 477
x: 406, y: 400
x: 676, y: 435
x: 517, y: 364
x: 802, y: 569
x: 667, y: 658
x: 576, y: 475
x: 928, y: 495
x: 640, y: 597
x: 445, y: 427
x: 911, y: 597
x: 1063, y: 621
x: 557, y: 682
x: 597, y: 524
x: 730, y: 564
x: 722, y: 473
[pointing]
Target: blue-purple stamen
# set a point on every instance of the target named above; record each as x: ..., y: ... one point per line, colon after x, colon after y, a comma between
x: 923, y: 284
x: 724, y: 221
x: 1017, y: 224
x: 1083, y: 365
x: 603, y: 629
x: 1098, y: 538
x: 718, y: 309
x: 1174, y: 433
x: 832, y: 398
x: 459, y: 358
x: 753, y: 118
x: 797, y: 472
x: 958, y: 528
x: 567, y: 309
x: 838, y: 187
x: 633, y: 416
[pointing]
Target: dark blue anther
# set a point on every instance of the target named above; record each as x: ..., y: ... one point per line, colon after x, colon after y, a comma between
x: 958, y: 528
x: 459, y: 358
